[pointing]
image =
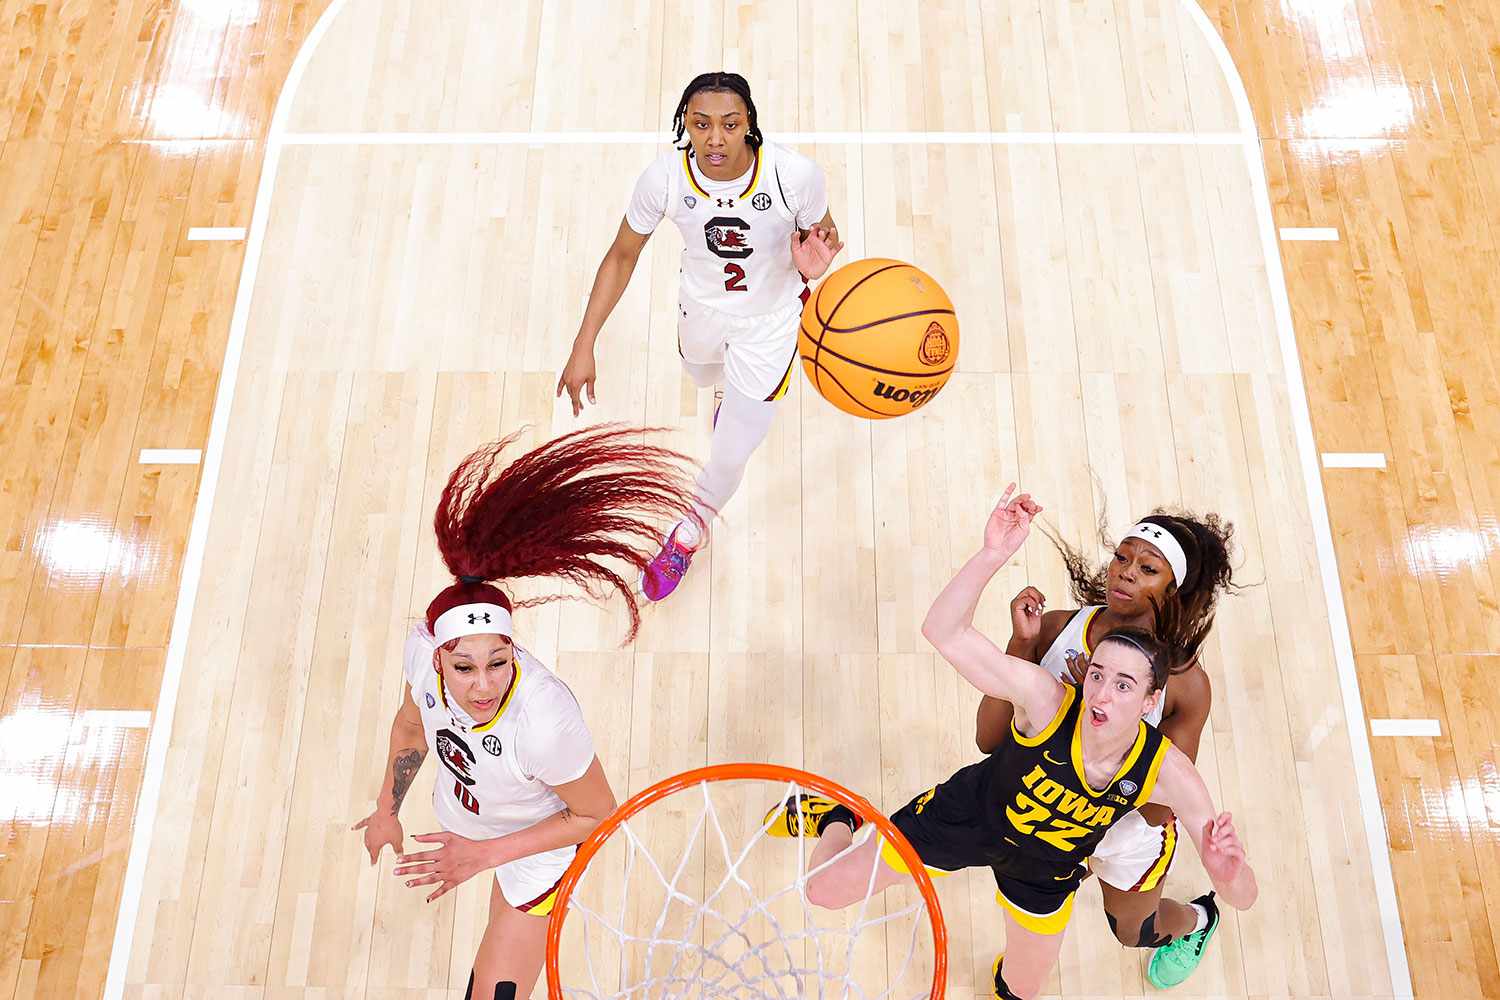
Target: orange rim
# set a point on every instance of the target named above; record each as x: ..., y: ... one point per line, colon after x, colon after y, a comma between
x: 747, y: 772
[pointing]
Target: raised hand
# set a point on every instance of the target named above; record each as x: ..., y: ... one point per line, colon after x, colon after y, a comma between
x: 813, y: 251
x: 381, y: 828
x: 1010, y: 522
x: 454, y: 861
x: 1026, y: 614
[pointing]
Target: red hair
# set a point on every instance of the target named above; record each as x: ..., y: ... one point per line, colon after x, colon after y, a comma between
x: 555, y: 511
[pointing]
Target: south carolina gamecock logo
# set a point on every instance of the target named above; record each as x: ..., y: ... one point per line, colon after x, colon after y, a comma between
x: 935, y: 347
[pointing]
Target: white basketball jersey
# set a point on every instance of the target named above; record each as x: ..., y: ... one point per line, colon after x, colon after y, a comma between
x: 497, y: 778
x: 1075, y: 635
x: 736, y: 234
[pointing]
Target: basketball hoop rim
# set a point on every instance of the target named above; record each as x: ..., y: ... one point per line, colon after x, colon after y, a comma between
x: 747, y: 771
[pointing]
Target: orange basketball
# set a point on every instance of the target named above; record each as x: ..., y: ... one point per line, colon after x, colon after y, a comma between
x: 879, y: 338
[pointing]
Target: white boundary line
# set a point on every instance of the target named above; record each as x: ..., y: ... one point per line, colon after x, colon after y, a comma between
x: 1405, y: 727
x: 1309, y: 234
x: 223, y: 233
x: 1353, y: 460
x: 1343, y: 646
x: 277, y: 137
x: 192, y: 563
x: 170, y: 456
x: 793, y: 138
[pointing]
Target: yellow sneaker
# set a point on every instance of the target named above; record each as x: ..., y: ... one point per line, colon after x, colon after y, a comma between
x: 804, y: 815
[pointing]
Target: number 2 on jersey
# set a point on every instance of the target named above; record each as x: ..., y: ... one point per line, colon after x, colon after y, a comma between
x: 735, y: 282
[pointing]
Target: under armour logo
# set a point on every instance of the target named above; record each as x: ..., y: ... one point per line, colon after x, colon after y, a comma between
x: 1151, y: 529
x: 725, y: 202
x: 476, y: 619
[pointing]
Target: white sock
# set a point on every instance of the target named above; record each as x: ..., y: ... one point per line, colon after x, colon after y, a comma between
x: 688, y: 534
x: 1202, y: 917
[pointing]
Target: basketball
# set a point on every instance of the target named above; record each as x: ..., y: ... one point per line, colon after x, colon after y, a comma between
x: 879, y: 338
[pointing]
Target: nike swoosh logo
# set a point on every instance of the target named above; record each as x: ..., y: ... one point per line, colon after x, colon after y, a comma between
x: 1051, y: 760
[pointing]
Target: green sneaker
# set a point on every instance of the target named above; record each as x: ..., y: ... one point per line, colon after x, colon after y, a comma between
x: 1175, y: 961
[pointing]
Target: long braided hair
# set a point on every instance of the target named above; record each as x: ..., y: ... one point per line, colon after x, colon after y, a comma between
x: 554, y: 512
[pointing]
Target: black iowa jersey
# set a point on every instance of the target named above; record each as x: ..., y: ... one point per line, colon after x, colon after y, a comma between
x: 1026, y: 810
x: 1038, y: 797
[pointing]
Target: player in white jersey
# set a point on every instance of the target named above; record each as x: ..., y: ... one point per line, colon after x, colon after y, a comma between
x: 756, y: 228
x: 1164, y: 557
x: 518, y: 784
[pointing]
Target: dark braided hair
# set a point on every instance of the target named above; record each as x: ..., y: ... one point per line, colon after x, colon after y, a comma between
x: 1207, y: 542
x: 554, y: 511
x: 720, y: 82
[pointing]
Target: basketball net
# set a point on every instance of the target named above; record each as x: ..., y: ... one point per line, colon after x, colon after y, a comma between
x: 709, y: 907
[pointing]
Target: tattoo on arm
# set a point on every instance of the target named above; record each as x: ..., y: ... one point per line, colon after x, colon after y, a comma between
x: 405, y: 768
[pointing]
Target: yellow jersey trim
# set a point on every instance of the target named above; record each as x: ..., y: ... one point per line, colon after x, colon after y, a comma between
x: 893, y: 858
x: 687, y: 166
x: 1158, y: 871
x: 1039, y: 923
x: 1069, y: 693
x: 1125, y: 765
x: 1149, y: 785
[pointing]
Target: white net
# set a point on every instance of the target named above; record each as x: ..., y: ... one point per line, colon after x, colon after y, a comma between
x: 678, y: 905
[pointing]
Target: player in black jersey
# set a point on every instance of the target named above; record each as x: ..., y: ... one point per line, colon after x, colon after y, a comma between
x: 1077, y: 758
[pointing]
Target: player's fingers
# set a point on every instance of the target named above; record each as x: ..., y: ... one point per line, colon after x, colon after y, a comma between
x: 423, y: 880
x: 592, y: 398
x: 439, y: 837
x: 439, y: 891
x: 361, y: 824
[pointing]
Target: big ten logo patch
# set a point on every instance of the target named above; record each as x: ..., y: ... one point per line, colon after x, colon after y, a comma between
x: 1055, y: 815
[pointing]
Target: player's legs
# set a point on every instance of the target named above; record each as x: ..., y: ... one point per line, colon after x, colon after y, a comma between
x: 1144, y: 919
x: 847, y: 880
x: 742, y: 425
x: 1028, y: 960
x: 512, y: 951
x: 703, y: 375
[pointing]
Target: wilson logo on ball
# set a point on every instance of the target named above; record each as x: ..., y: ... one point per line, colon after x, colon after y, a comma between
x: 914, y: 397
x: 935, y: 348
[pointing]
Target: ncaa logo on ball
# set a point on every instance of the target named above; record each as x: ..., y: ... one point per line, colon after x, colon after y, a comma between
x: 935, y: 347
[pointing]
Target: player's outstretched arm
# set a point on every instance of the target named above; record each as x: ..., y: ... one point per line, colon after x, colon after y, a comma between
x: 408, y: 749
x: 949, y: 625
x: 609, y: 284
x: 1180, y: 788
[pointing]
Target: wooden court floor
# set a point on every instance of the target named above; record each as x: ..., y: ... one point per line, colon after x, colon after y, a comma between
x: 1119, y: 270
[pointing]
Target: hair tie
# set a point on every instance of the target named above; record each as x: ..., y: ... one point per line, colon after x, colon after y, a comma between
x: 471, y: 579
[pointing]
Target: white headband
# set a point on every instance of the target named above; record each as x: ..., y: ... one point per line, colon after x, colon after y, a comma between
x: 471, y: 619
x: 1166, y: 543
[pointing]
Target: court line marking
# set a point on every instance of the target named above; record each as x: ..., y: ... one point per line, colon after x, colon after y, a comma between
x: 171, y: 456
x: 1343, y: 646
x: 278, y: 137
x: 1353, y: 460
x: 1309, y: 234
x: 111, y: 719
x: 159, y: 742
x: 568, y: 138
x: 216, y: 233
x: 1405, y: 727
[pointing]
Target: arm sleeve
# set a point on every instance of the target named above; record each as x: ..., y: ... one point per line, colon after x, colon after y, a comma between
x: 648, y: 202
x: 556, y: 746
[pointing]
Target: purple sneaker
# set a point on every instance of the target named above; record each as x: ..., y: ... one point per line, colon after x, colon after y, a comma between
x: 666, y: 571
